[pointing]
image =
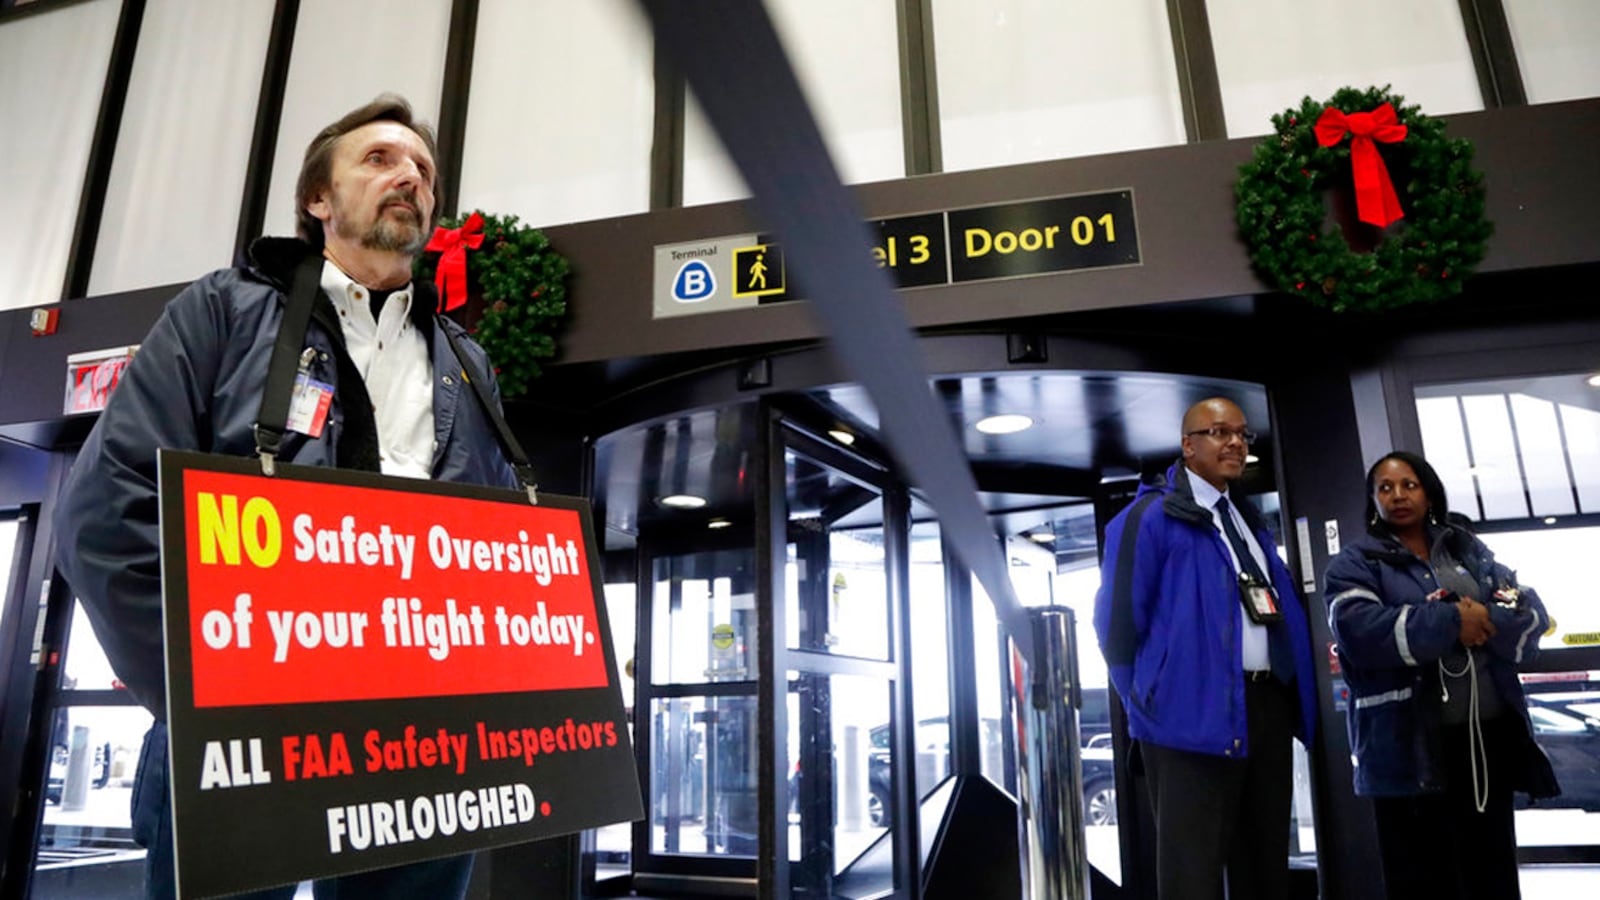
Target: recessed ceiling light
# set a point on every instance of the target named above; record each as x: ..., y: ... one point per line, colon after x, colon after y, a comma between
x: 1251, y: 459
x: 842, y: 436
x: 682, y: 501
x: 718, y: 523
x: 1042, y: 537
x: 1594, y: 380
x: 1008, y: 423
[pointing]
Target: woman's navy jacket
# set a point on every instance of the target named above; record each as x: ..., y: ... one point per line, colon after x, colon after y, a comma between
x: 1390, y: 639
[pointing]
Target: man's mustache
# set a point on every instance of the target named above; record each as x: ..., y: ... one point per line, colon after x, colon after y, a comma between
x: 405, y: 198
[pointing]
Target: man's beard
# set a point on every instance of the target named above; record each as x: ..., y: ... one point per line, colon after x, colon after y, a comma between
x: 403, y: 236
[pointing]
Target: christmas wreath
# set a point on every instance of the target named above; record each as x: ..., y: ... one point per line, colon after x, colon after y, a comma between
x: 519, y: 284
x: 1415, y: 245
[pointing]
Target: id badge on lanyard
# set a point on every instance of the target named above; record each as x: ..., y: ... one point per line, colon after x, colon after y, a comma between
x: 1260, y: 601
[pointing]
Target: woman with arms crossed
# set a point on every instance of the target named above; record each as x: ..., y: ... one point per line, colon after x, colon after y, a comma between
x: 1431, y: 631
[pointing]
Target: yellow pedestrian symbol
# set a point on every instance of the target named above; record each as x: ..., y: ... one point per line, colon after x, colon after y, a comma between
x: 758, y: 271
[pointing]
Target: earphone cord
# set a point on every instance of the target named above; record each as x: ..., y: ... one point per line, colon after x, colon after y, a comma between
x: 1477, y: 751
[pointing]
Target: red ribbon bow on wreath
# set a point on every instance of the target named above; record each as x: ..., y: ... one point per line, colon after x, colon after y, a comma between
x: 1376, y: 203
x: 452, y: 245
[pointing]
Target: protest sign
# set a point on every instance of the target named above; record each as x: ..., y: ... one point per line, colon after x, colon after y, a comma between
x: 366, y: 671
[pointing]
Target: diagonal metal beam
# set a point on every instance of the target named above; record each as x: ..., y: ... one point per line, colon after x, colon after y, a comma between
x: 731, y: 56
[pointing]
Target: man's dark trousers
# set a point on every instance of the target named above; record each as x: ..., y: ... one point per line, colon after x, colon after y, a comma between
x: 443, y: 879
x: 1217, y: 812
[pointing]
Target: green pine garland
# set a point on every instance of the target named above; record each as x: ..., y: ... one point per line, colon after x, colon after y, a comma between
x: 522, y: 283
x: 1424, y: 257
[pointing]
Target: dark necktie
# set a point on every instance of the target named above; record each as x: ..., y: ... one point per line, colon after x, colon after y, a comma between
x: 1279, y: 652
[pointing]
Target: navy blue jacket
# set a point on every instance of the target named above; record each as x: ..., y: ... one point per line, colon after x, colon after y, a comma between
x: 1170, y: 624
x: 1390, y: 638
x: 196, y: 384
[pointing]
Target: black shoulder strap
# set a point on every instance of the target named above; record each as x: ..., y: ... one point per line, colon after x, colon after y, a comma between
x: 273, y: 418
x: 508, y: 441
x: 1123, y: 641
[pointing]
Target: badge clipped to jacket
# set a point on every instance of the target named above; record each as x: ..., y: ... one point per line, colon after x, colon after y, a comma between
x: 308, y: 405
x: 1260, y: 601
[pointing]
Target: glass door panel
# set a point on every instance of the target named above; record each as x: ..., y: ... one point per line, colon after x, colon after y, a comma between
x: 836, y: 553
x: 85, y: 835
x: 703, y: 776
x: 846, y: 813
x: 930, y: 658
x: 697, y: 722
x: 613, y: 844
x: 704, y: 618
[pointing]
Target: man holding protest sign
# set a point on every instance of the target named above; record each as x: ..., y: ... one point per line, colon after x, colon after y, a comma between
x: 382, y: 384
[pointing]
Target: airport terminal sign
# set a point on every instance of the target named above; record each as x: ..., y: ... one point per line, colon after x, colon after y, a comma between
x: 367, y: 671
x: 1005, y: 240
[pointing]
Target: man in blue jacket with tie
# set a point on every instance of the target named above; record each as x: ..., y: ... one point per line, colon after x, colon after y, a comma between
x: 1208, y: 646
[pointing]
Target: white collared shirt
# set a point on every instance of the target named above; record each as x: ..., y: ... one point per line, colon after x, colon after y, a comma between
x: 1253, y: 640
x: 392, y: 357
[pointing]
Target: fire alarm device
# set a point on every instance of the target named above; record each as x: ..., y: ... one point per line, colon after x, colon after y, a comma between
x: 43, y: 321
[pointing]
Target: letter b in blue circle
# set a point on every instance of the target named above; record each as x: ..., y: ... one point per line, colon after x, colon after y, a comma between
x: 694, y: 283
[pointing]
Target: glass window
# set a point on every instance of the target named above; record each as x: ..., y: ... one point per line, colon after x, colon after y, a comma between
x: 1558, y: 47
x: 576, y: 153
x: 856, y: 105
x: 1271, y: 55
x: 195, y: 77
x: 1552, y: 562
x: 1518, y: 448
x: 52, y: 72
x: 703, y: 776
x: 347, y: 52
x: 704, y: 618
x: 1022, y: 81
x: 1565, y: 709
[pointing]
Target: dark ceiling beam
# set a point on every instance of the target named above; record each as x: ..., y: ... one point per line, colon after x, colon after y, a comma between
x: 454, y: 97
x: 1199, y: 87
x: 102, y: 150
x: 264, y: 137
x: 919, y: 88
x: 1494, y: 56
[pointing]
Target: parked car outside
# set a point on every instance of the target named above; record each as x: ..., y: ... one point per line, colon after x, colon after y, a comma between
x: 1099, y: 785
x: 1567, y: 725
x: 933, y: 749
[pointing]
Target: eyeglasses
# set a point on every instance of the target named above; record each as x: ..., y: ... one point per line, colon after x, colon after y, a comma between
x: 1221, y: 435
